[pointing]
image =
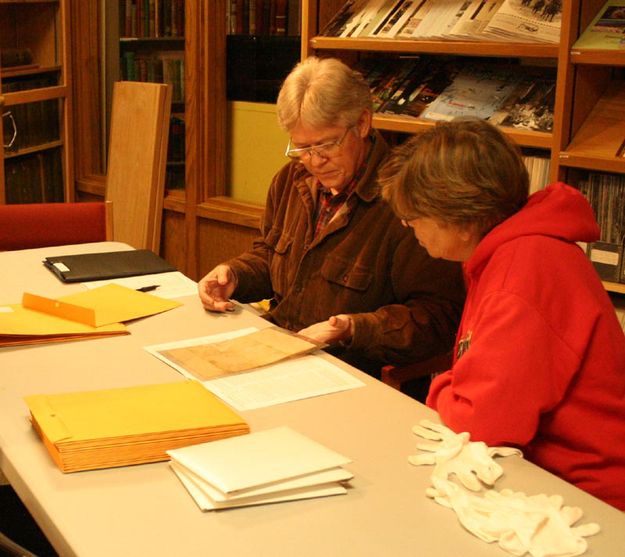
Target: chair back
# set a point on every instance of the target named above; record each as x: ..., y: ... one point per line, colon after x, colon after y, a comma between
x: 35, y: 225
x: 136, y: 162
x: 11, y: 549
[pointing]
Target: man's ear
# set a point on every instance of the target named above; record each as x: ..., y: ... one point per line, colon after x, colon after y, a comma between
x: 364, y: 123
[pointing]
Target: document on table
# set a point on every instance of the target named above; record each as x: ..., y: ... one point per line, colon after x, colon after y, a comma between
x: 290, y: 380
x: 168, y: 285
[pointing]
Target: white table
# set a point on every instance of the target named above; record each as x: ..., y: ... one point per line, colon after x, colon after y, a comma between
x: 144, y: 510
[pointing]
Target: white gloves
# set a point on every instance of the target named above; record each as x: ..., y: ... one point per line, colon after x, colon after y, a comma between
x: 471, y: 463
x: 520, y: 524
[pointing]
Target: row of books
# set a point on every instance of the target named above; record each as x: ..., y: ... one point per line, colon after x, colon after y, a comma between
x: 442, y: 89
x: 157, y: 67
x: 606, y: 194
x: 538, y: 168
x: 36, y: 123
x: 263, y: 17
x: 11, y: 57
x: 151, y: 18
x: 500, y: 20
x: 34, y: 178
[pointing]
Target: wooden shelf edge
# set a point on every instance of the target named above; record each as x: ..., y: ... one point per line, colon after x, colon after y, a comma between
x: 463, y: 48
x: 35, y: 95
x: 525, y: 138
x: 33, y: 69
x: 598, y: 56
x: 175, y: 200
x: 95, y: 185
x: 615, y: 287
x: 571, y: 159
x: 33, y: 149
x: 226, y: 209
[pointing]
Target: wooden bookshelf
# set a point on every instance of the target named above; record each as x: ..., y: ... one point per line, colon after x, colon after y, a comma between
x: 38, y: 96
x: 589, y: 112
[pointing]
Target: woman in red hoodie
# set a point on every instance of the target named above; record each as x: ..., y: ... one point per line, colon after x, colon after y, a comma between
x: 539, y: 356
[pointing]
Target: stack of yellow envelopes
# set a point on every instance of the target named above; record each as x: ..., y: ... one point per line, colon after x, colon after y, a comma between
x: 88, y: 314
x: 133, y: 425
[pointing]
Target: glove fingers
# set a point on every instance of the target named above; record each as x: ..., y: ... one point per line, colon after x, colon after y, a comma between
x: 421, y: 459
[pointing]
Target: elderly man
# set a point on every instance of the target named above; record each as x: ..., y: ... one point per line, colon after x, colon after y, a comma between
x: 336, y: 264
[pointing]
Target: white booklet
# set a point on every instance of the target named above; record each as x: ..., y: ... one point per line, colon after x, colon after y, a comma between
x: 265, y: 467
x: 206, y: 503
x: 239, y: 464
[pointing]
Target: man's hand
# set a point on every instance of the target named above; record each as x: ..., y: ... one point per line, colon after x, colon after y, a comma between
x: 336, y: 329
x: 216, y: 288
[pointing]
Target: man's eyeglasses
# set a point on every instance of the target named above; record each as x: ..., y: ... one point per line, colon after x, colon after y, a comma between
x: 324, y: 151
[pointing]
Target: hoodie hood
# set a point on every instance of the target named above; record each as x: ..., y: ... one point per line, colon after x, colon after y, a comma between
x: 559, y: 211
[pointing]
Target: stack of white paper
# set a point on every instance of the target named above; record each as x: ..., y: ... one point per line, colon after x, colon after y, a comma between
x: 265, y: 467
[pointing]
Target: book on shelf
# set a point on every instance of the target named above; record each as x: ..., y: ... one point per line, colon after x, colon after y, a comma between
x: 151, y: 18
x: 263, y: 17
x: 34, y: 177
x: 606, y: 30
x: 526, y: 20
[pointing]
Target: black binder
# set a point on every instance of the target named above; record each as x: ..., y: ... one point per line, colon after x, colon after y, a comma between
x: 108, y: 265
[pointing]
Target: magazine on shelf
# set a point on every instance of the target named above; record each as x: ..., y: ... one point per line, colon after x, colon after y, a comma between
x: 390, y: 24
x: 391, y: 80
x: 414, y: 82
x: 366, y: 17
x: 411, y: 25
x: 607, y: 29
x: 530, y: 105
x: 437, y: 19
x: 439, y: 76
x: 475, y: 19
x: 476, y: 91
x: 526, y: 21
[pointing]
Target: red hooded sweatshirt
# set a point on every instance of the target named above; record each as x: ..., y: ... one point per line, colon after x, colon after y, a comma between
x: 540, y: 355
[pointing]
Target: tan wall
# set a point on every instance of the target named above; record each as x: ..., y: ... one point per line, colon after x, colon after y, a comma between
x: 255, y: 151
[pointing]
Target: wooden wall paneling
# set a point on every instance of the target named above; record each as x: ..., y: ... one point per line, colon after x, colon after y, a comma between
x: 173, y: 244
x: 89, y: 165
x: 219, y: 241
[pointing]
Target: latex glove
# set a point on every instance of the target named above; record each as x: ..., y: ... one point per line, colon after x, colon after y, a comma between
x: 216, y: 288
x: 336, y: 329
x: 537, y: 525
x: 455, y: 455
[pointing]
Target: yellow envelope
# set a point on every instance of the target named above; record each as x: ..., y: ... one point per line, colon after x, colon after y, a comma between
x: 139, y: 410
x: 19, y: 325
x: 100, y: 306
